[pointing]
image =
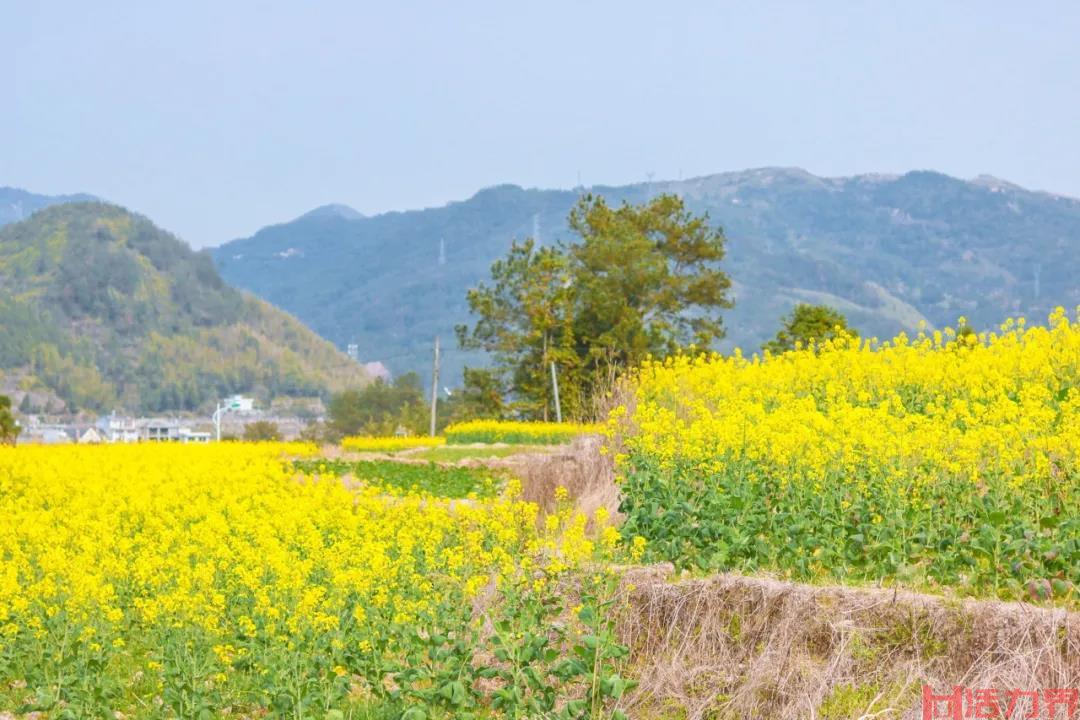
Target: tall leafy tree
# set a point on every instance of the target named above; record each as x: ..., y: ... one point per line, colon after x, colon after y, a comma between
x: 526, y: 320
x: 647, y: 281
x: 8, y: 429
x: 807, y: 324
x: 640, y: 280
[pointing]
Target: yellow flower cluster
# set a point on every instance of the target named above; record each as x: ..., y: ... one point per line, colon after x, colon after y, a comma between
x: 945, y: 460
x: 390, y: 444
x: 521, y: 433
x: 999, y: 404
x: 219, y: 568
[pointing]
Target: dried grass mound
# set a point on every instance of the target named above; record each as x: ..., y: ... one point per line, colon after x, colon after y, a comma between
x: 731, y: 646
x: 587, y: 475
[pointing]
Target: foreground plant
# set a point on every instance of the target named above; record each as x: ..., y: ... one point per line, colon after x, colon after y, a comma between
x: 191, y: 581
x: 946, y: 460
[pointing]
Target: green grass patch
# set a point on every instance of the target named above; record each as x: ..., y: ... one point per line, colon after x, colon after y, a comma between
x: 430, y: 479
x: 850, y: 701
x: 455, y: 454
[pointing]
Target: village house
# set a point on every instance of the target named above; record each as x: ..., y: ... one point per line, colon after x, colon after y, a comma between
x: 115, y: 428
x: 166, y: 430
x: 91, y: 436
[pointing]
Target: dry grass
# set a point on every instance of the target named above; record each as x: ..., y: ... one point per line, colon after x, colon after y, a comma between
x: 587, y: 475
x: 741, y: 647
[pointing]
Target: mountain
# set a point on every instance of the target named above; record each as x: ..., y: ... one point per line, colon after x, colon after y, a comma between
x: 101, y: 309
x: 16, y: 204
x: 889, y: 251
x: 335, y: 210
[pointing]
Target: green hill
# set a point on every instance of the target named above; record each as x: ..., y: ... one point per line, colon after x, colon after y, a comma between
x: 889, y: 251
x: 101, y: 309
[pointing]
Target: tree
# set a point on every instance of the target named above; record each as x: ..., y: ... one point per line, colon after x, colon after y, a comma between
x: 347, y: 414
x: 482, y: 395
x: 640, y: 280
x: 647, y: 282
x: 379, y: 408
x: 9, y: 430
x: 262, y: 431
x: 480, y: 398
x: 808, y: 324
x: 526, y: 322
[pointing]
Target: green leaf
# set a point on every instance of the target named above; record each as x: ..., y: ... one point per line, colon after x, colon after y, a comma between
x: 454, y: 693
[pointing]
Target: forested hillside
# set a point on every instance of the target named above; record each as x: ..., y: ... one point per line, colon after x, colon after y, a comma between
x: 101, y: 309
x: 887, y: 251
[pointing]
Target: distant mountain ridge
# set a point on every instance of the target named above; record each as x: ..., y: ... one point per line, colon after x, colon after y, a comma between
x: 890, y: 251
x: 17, y: 204
x: 100, y: 309
x: 335, y: 210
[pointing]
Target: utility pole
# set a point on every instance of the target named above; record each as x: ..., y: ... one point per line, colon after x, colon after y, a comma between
x: 435, y: 386
x: 555, y: 386
x: 221, y: 410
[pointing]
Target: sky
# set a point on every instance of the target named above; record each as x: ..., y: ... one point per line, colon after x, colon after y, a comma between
x: 217, y: 118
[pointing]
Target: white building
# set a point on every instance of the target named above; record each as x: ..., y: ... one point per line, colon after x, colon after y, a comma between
x: 36, y: 433
x: 188, y: 435
x: 161, y: 430
x: 115, y: 428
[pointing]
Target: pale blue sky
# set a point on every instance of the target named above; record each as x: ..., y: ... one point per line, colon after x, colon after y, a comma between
x: 218, y: 117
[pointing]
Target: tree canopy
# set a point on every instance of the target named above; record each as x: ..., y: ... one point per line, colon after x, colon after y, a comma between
x: 262, y: 431
x: 807, y: 324
x: 638, y: 281
x: 380, y: 408
x: 526, y: 320
x: 482, y: 397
